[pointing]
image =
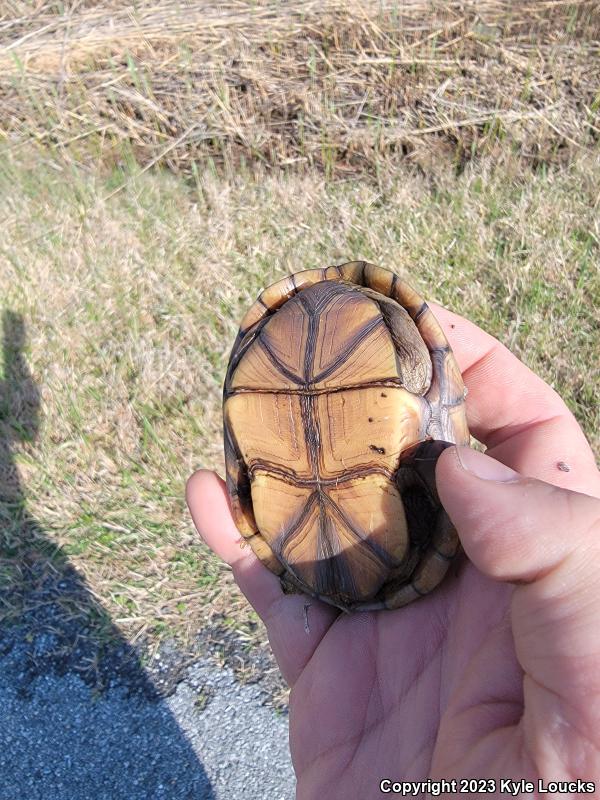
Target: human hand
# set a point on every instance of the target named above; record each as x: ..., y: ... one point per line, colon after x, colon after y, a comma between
x: 496, y: 674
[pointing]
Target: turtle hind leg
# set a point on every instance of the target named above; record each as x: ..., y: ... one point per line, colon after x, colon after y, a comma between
x: 421, y: 514
x: 432, y: 535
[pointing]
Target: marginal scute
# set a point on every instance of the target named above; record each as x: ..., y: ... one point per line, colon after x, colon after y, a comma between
x: 308, y: 277
x: 254, y: 314
x: 352, y: 271
x: 332, y: 274
x: 450, y: 379
x: 276, y: 295
x: 445, y: 542
x: 430, y: 330
x: 378, y: 279
x: 406, y: 296
x: 241, y: 505
x: 335, y: 376
x: 455, y: 427
x: 430, y: 571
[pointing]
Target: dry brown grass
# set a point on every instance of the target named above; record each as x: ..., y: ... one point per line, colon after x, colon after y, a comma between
x: 346, y: 86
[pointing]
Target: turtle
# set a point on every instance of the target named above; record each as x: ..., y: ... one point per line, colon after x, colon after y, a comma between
x: 340, y: 393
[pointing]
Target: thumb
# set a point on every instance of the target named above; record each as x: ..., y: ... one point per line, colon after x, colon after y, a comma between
x: 547, y: 539
x: 512, y: 527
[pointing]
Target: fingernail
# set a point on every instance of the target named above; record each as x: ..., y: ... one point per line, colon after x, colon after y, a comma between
x: 484, y: 466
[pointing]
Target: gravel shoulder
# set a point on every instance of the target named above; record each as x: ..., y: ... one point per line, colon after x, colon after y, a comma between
x: 211, y: 738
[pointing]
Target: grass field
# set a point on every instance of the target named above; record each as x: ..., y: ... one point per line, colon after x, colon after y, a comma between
x: 123, y: 282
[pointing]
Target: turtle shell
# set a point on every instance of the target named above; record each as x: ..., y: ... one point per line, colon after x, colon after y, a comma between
x: 340, y: 393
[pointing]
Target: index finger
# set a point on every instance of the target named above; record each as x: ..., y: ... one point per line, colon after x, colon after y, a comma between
x: 523, y: 421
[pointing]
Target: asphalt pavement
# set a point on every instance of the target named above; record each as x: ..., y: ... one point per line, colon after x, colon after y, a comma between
x: 209, y: 739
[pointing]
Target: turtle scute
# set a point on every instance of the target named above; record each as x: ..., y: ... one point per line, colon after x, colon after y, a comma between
x: 327, y: 388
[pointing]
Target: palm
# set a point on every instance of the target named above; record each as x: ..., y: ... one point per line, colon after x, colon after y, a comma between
x: 428, y: 662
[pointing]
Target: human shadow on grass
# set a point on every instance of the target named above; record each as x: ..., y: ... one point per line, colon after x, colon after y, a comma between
x: 51, y: 624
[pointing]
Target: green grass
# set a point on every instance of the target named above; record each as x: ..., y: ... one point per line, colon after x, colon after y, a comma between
x: 130, y: 306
